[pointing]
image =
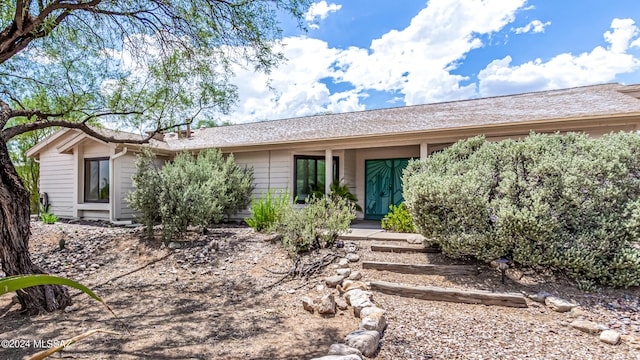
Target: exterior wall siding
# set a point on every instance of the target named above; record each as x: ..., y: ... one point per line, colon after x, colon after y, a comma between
x: 271, y: 170
x: 56, y: 179
x: 124, y: 167
x: 94, y: 149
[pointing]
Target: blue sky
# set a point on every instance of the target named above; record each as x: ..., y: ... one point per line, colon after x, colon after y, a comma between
x: 359, y: 55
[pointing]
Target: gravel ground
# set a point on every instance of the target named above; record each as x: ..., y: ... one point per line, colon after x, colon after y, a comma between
x: 439, y: 330
x: 209, y: 300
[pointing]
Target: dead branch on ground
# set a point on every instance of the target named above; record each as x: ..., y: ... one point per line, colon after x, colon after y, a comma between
x: 301, y: 269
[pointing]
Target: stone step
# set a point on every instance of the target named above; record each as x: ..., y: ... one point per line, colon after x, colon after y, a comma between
x: 450, y: 295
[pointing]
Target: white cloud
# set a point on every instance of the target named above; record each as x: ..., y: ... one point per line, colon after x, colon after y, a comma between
x: 565, y: 70
x: 298, y: 87
x: 536, y: 26
x: 320, y: 11
x: 624, y: 30
x: 415, y: 63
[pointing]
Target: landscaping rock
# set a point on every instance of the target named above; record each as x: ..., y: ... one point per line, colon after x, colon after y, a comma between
x: 610, y: 337
x: 351, y: 248
x: 373, y: 319
x: 341, y: 304
x: 416, y: 239
x: 307, y: 304
x: 577, y: 312
x: 372, y: 310
x: 352, y: 257
x: 174, y: 245
x: 332, y: 281
x: 356, y: 293
x: 327, y: 305
x: 342, y: 349
x: 343, y: 263
x: 356, y: 275
x: 540, y: 296
x: 585, y: 326
x: 358, y: 299
x: 344, y: 272
x: 364, y: 340
x: 272, y: 237
x: 558, y: 304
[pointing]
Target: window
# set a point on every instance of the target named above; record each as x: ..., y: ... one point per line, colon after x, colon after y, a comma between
x: 96, y: 180
x: 310, y: 175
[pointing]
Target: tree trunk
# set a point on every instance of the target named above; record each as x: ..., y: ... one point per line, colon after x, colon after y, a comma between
x: 14, y: 241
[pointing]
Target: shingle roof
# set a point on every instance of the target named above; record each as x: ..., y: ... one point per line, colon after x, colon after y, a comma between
x: 589, y: 101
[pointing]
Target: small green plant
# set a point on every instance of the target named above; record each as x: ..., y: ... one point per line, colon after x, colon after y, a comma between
x: 47, y: 217
x: 267, y: 210
x: 315, y: 226
x: 399, y: 219
x: 339, y: 189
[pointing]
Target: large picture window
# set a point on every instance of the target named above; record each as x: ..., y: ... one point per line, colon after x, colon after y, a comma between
x: 96, y: 180
x: 310, y: 175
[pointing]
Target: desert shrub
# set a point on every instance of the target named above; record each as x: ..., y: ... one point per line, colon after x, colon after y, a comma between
x: 189, y: 191
x: 316, y: 225
x: 148, y: 184
x: 267, y: 210
x: 398, y: 219
x: 562, y: 201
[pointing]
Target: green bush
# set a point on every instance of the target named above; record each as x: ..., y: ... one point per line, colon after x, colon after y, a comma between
x: 316, y: 225
x: 399, y: 219
x: 267, y: 210
x: 189, y: 191
x: 561, y: 201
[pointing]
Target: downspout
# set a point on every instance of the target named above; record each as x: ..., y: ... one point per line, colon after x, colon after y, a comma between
x: 112, y: 193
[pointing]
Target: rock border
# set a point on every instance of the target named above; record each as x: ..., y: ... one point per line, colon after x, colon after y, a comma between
x: 365, y: 340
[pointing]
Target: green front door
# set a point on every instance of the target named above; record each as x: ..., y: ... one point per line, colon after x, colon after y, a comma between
x: 383, y: 186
